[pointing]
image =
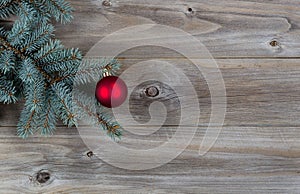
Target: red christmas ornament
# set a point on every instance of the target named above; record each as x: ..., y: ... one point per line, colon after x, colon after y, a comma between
x: 111, y: 91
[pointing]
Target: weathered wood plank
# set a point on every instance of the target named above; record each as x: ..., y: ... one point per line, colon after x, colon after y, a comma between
x: 258, y: 150
x: 259, y: 92
x: 227, y: 28
x: 243, y: 159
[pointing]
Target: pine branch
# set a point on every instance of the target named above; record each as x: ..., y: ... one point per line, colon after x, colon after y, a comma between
x: 34, y: 105
x: 90, y: 70
x: 60, y: 10
x: 7, y: 91
x: 46, y: 9
x: 8, y: 7
x: 8, y: 46
x: 35, y: 96
x: 38, y: 37
x: 64, y: 105
x: 88, y: 110
x: 26, y: 11
x: 40, y: 7
x: 43, y: 55
x: 27, y: 117
x: 18, y: 32
x: 7, y: 61
x: 48, y: 118
x: 39, y: 68
x: 66, y: 61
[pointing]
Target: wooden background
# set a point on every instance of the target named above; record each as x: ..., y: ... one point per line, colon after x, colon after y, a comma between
x: 257, y: 46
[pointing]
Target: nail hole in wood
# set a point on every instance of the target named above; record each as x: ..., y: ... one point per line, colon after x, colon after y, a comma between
x: 152, y: 91
x: 42, y: 176
x: 90, y: 154
x: 106, y: 3
x: 274, y: 43
x: 190, y: 10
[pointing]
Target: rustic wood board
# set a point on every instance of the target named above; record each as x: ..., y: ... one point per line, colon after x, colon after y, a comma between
x: 228, y: 28
x: 258, y: 150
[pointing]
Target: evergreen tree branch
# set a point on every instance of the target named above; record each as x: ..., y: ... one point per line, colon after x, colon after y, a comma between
x: 34, y: 66
x: 61, y: 9
x: 7, y: 3
x: 87, y: 107
x: 39, y: 5
x: 64, y: 104
x: 39, y: 37
x: 8, y: 7
x: 35, y: 96
x: 49, y: 119
x: 7, y: 91
x: 20, y: 54
x: 62, y: 61
x: 24, y: 130
x: 48, y: 49
x: 46, y: 124
x: 7, y: 61
x: 90, y: 69
x: 8, y: 46
x: 16, y: 32
x: 25, y: 11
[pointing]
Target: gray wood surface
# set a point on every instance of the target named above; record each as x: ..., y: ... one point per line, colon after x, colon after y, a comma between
x: 258, y: 150
x: 229, y: 28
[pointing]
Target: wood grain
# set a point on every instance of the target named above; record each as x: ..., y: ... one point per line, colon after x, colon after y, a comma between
x: 259, y: 92
x: 258, y: 150
x: 244, y: 159
x: 228, y: 28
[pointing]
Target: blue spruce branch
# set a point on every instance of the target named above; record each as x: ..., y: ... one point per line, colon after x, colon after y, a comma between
x: 7, y: 91
x: 89, y: 110
x: 8, y: 7
x: 37, y: 67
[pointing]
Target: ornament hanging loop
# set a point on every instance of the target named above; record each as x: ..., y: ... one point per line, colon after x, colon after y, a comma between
x: 106, y: 73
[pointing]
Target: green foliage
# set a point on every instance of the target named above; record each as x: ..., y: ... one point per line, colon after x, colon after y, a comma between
x: 91, y: 70
x: 7, y: 90
x: 36, y: 66
x: 8, y: 7
x: 88, y: 109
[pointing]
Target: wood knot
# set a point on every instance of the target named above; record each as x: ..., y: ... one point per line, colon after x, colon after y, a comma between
x: 90, y: 154
x: 42, y: 176
x: 274, y: 43
x: 106, y: 3
x: 152, y: 91
x: 190, y: 12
